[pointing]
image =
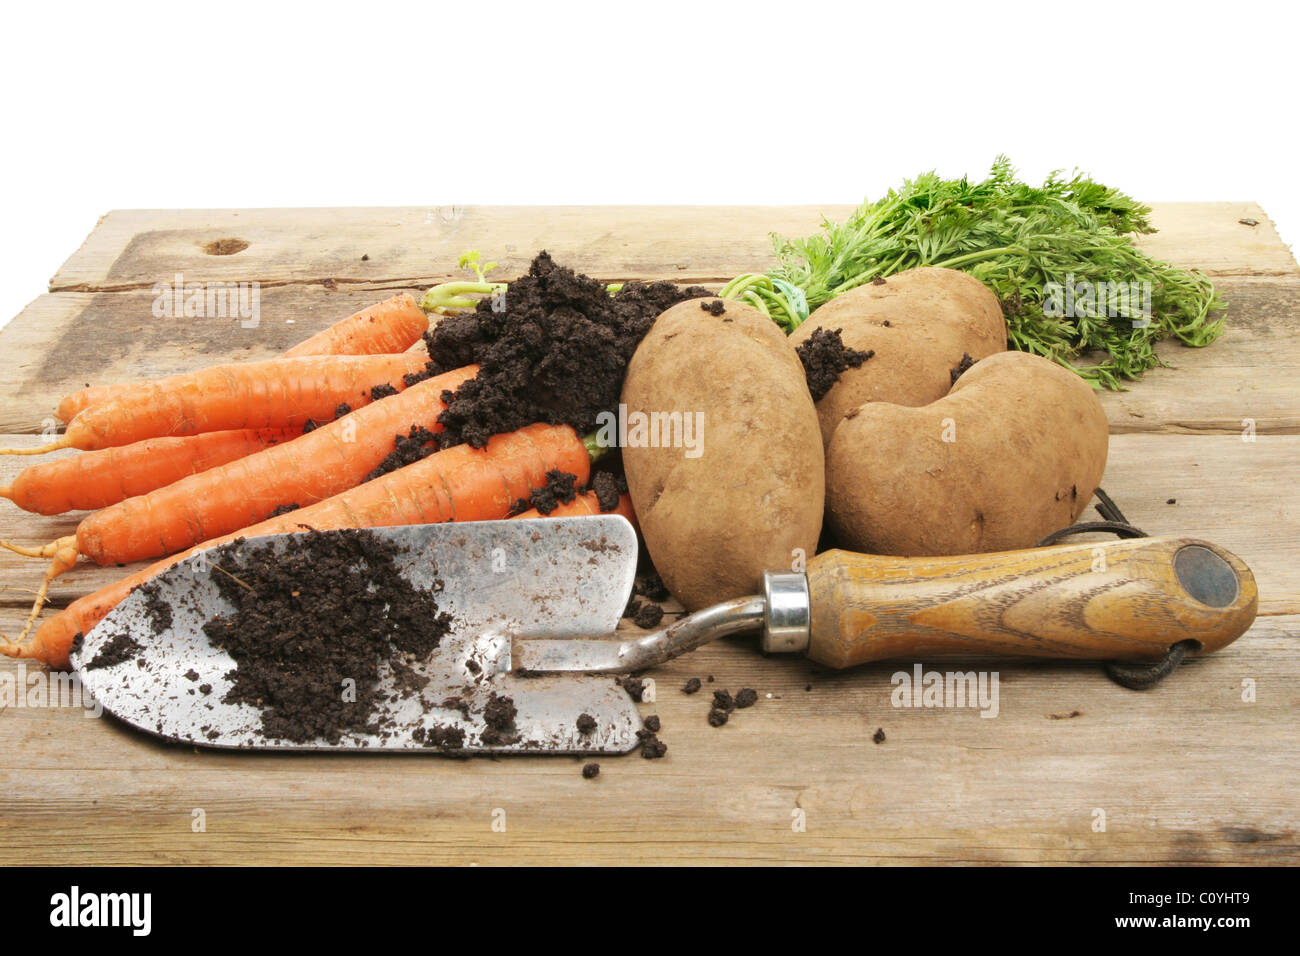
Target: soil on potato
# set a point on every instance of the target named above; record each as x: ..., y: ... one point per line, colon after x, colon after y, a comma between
x: 313, y: 626
x: 555, y: 353
x: 825, y: 356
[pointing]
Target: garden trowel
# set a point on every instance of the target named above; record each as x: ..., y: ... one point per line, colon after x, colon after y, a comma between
x: 536, y: 603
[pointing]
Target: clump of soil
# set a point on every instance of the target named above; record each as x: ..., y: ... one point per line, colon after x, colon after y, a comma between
x: 718, y: 717
x: 879, y: 735
x: 586, y: 724
x: 652, y: 723
x: 652, y: 748
x: 341, y: 409
x: 555, y: 353
x: 962, y: 367
x: 499, y: 715
x: 648, y: 616
x: 634, y: 686
x: 313, y: 626
x: 284, y: 509
x: 407, y: 450
x: 560, y: 488
x: 825, y: 356
x: 608, y: 488
x: 723, y: 700
x: 692, y: 686
x: 714, y: 307
x: 116, y: 650
x: 746, y: 697
x: 590, y: 771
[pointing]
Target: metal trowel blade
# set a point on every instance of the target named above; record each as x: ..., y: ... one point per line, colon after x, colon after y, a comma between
x: 550, y: 578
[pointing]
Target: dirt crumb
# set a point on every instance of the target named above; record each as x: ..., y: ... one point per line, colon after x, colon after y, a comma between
x: 825, y: 356
x: 717, y: 717
x: 879, y: 735
x: 590, y: 771
x: 746, y: 697
x: 586, y: 724
x: 652, y: 723
x: 648, y: 616
x: 692, y: 686
x: 962, y: 367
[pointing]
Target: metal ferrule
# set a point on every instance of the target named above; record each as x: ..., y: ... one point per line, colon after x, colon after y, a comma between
x: 787, y: 623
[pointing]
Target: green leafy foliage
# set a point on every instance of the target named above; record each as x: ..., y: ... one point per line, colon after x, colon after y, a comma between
x: 1028, y: 244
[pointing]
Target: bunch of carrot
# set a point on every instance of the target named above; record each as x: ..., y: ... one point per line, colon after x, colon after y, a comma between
x: 195, y: 460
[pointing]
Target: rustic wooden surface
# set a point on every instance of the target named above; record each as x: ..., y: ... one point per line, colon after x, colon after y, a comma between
x: 1186, y: 773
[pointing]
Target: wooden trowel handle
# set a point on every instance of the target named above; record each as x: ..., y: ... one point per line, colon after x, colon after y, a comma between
x: 1119, y: 600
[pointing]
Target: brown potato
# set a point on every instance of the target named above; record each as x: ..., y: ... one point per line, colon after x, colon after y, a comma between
x: 753, y: 498
x: 1013, y: 453
x: 934, y: 316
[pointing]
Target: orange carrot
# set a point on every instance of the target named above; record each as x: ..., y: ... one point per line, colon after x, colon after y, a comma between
x: 279, y: 393
x: 97, y: 479
x: 306, y: 469
x: 456, y: 484
x: 585, y: 504
x: 310, y: 468
x: 391, y: 326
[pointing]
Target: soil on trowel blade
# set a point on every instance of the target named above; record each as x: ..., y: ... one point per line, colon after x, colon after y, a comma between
x: 313, y: 626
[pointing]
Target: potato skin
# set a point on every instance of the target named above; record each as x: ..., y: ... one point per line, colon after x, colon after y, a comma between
x: 935, y: 316
x: 714, y: 523
x: 1030, y: 448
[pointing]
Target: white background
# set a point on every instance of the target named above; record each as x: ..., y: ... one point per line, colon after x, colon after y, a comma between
x: 118, y: 105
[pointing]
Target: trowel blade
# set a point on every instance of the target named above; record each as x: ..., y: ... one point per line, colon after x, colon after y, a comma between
x: 548, y: 578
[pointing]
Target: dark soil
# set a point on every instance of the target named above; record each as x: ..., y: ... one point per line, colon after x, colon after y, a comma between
x: 746, y: 697
x: 825, y: 356
x: 116, y: 650
x: 556, y: 353
x: 879, y: 735
x: 652, y: 748
x: 652, y: 723
x: 648, y: 616
x: 651, y: 586
x: 608, y: 488
x: 590, y: 771
x: 560, y: 488
x: 331, y: 609
x: 723, y: 700
x: 714, y: 306
x: 407, y: 450
x: 284, y: 509
x: 634, y: 686
x: 692, y: 686
x: 499, y: 715
x: 962, y: 367
x: 586, y: 724
x: 382, y: 391
x: 717, y: 717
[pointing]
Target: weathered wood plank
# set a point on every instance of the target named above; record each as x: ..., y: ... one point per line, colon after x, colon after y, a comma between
x: 1186, y: 773
x: 1230, y: 491
x: 63, y: 341
x: 135, y: 248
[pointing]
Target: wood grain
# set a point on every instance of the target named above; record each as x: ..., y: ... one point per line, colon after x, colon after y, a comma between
x: 1186, y: 773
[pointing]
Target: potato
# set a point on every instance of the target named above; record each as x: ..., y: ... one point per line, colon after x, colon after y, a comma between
x: 755, y: 491
x: 1012, y: 453
x: 934, y: 316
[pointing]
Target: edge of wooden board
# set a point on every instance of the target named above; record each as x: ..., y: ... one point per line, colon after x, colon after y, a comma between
x: 134, y: 248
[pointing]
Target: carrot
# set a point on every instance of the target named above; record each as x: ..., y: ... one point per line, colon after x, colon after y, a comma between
x: 585, y: 504
x: 279, y: 393
x: 97, y: 479
x: 391, y: 326
x: 308, y: 468
x: 457, y: 484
